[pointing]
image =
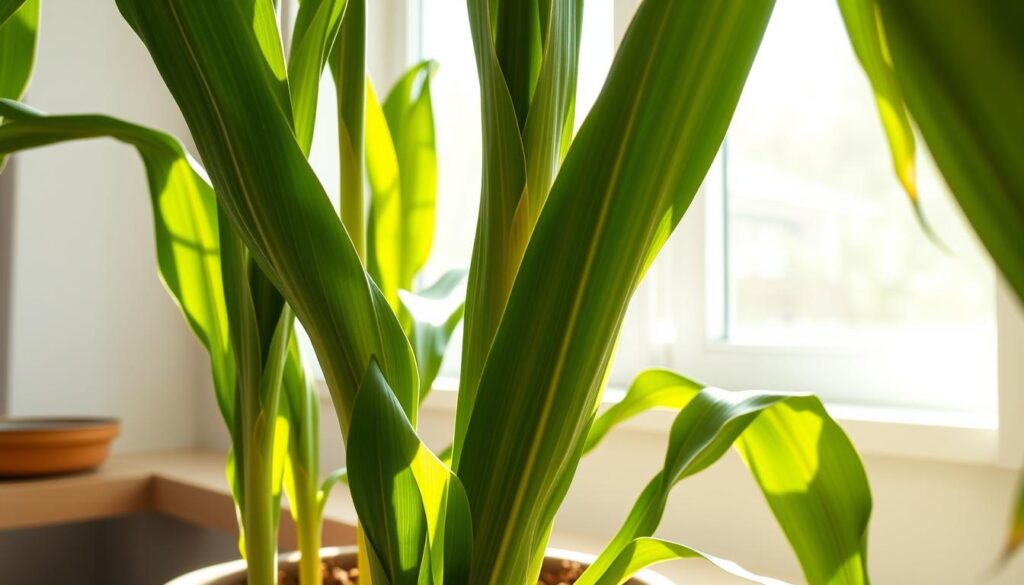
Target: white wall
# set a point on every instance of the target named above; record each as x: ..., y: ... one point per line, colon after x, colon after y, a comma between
x: 93, y: 331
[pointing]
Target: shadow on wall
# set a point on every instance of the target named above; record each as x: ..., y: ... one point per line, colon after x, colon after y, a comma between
x: 141, y: 549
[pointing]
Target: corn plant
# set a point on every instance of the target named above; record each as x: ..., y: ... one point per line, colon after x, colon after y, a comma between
x: 568, y: 225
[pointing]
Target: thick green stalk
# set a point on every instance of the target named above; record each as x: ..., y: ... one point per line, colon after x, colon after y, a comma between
x: 307, y: 529
x: 348, y: 64
x: 259, y: 524
x: 302, y: 473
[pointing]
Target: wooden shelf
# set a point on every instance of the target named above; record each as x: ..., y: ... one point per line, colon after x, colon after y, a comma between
x: 191, y: 486
x: 188, y: 485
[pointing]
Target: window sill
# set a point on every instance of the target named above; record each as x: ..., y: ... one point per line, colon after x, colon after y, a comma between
x: 903, y: 433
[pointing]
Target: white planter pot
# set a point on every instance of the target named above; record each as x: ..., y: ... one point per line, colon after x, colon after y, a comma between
x: 233, y: 573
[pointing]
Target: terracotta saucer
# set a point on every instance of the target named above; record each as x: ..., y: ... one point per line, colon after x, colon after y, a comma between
x: 43, y: 446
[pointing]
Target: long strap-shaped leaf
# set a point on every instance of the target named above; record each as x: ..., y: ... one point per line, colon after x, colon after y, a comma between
x: 217, y: 70
x: 348, y: 67
x: 641, y: 153
x: 651, y: 389
x: 806, y: 467
x: 527, y: 54
x: 412, y: 507
x: 864, y: 25
x: 316, y: 27
x: 549, y: 123
x: 408, y: 109
x: 644, y: 552
x: 960, y: 69
x: 184, y: 220
x: 384, y: 229
x: 496, y: 248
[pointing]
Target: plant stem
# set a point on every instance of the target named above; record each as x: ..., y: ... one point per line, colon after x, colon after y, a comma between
x: 259, y: 516
x: 308, y: 522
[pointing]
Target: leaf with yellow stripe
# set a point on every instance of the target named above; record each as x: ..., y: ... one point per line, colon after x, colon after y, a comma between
x: 639, y: 156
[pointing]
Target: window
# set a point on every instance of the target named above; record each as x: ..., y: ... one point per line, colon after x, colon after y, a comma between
x: 819, y: 251
x: 800, y: 265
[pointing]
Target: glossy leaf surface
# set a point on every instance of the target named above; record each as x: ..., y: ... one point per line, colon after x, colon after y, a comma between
x: 644, y: 552
x: 412, y: 507
x: 806, y: 467
x: 641, y: 154
x: 229, y: 91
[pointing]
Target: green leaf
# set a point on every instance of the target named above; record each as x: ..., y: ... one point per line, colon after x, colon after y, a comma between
x: 497, y: 247
x: 17, y: 47
x: 518, y: 45
x: 410, y: 117
x: 348, y: 67
x: 867, y: 35
x: 806, y: 467
x: 411, y: 506
x: 19, y: 26
x: 8, y: 8
x: 306, y: 498
x: 1016, y: 534
x: 228, y: 96
x: 184, y: 220
x: 639, y: 157
x: 961, y: 71
x: 316, y: 27
x: 434, y: 314
x: 651, y: 389
x: 549, y: 124
x: 384, y: 231
x: 245, y: 359
x: 644, y: 552
x: 815, y: 484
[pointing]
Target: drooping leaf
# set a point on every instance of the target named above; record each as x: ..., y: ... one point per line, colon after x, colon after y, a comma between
x: 228, y: 96
x: 412, y: 507
x: 639, y: 156
x: 644, y: 552
x: 651, y: 389
x: 961, y: 71
x: 806, y: 467
x: 184, y: 219
x: 316, y: 28
x: 434, y: 313
x: 864, y: 25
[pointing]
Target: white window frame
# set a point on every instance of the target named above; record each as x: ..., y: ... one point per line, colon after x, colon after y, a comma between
x: 917, y: 433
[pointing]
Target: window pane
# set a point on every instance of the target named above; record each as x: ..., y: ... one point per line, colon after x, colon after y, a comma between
x: 822, y: 243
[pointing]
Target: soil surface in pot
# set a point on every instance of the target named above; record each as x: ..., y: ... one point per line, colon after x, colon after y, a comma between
x: 334, y: 573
